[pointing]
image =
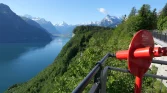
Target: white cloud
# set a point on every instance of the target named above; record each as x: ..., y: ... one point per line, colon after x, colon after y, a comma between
x: 102, y: 10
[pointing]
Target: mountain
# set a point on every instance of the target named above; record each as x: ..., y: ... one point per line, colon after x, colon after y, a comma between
x: 31, y: 22
x: 65, y: 28
x: 110, y: 21
x: 62, y: 24
x: 96, y: 23
x: 14, y: 29
x: 43, y: 23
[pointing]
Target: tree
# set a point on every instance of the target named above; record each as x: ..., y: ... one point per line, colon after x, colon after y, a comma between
x: 144, y: 10
x: 148, y: 17
x: 133, y: 12
x: 123, y: 18
x: 154, y: 19
x: 161, y: 24
x: 133, y: 24
x: 164, y: 11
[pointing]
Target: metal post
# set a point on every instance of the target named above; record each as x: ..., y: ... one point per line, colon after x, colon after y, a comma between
x: 152, y: 88
x: 103, y: 80
x: 160, y: 35
x: 165, y: 38
x: 161, y: 85
x: 138, y: 84
x: 97, y: 79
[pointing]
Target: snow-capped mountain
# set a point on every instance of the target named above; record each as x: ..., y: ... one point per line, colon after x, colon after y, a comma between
x: 96, y: 23
x: 62, y: 24
x: 31, y: 22
x: 65, y: 28
x: 43, y: 23
x: 28, y: 16
x: 110, y: 21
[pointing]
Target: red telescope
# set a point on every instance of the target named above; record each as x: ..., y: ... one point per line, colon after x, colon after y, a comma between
x: 139, y: 56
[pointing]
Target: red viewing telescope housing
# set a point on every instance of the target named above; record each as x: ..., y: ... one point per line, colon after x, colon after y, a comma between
x: 140, y: 54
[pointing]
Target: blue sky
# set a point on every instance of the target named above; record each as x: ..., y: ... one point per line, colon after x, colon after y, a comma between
x: 78, y: 11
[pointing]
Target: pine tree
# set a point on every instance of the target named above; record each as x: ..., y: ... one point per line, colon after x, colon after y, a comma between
x: 144, y: 10
x: 133, y: 12
x: 148, y: 17
x: 164, y: 11
x: 162, y: 19
x: 154, y: 19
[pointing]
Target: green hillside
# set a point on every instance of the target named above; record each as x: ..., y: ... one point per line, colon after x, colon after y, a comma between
x: 87, y: 47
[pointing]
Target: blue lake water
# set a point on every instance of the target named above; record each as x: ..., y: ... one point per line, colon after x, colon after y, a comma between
x: 19, y: 62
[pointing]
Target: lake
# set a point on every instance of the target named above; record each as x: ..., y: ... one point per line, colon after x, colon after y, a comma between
x: 19, y: 62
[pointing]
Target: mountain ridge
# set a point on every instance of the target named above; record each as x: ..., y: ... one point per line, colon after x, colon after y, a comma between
x: 44, y: 23
x: 14, y: 29
x: 67, y: 29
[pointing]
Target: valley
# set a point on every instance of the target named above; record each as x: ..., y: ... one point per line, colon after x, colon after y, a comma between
x: 38, y: 55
